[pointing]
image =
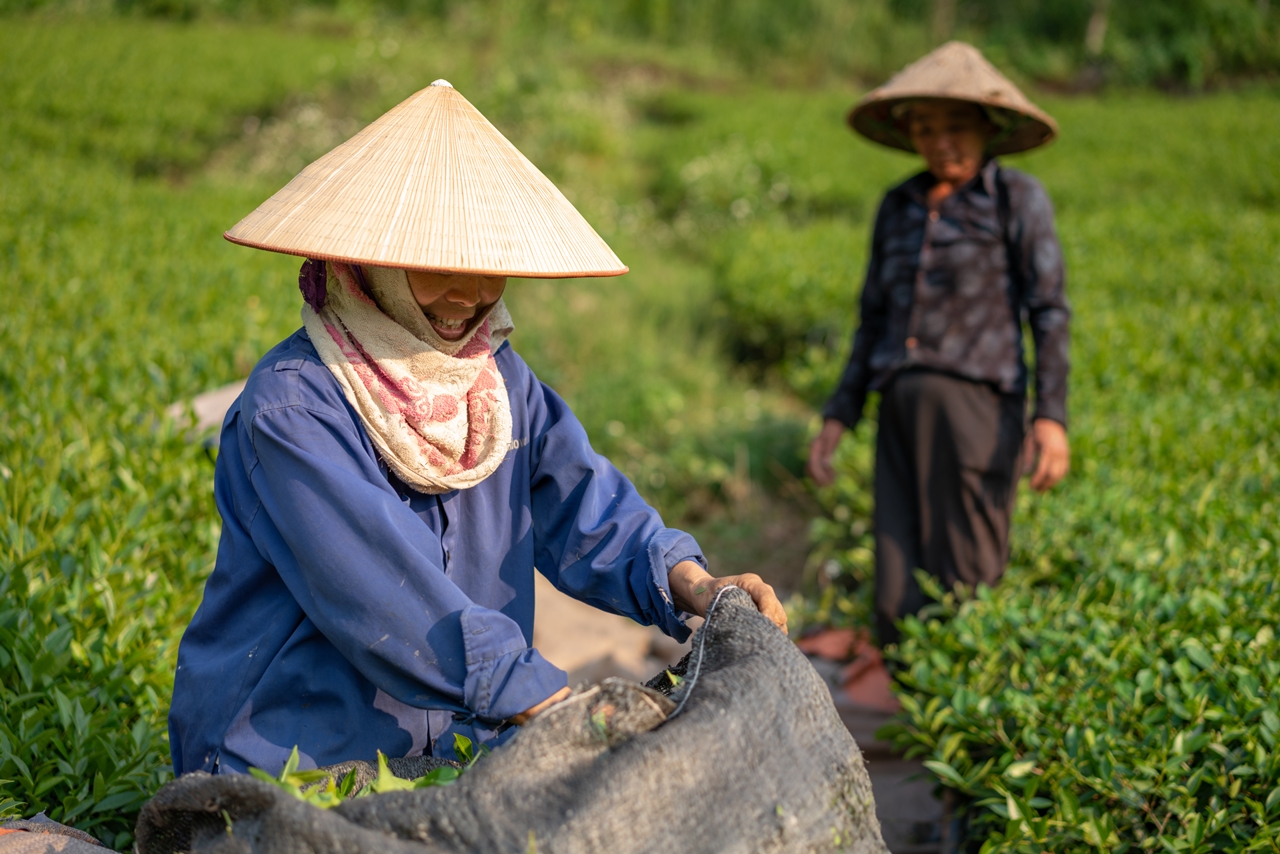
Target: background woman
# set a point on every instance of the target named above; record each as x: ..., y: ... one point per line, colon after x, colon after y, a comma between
x: 961, y: 256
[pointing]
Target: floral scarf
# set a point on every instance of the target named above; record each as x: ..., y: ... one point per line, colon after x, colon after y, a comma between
x: 436, y: 410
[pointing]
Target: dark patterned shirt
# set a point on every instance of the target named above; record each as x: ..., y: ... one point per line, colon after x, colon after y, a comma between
x: 949, y: 291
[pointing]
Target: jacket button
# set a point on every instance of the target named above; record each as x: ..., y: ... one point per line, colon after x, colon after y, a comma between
x: 912, y: 343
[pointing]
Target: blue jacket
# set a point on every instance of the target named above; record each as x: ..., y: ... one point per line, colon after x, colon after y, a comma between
x: 347, y: 613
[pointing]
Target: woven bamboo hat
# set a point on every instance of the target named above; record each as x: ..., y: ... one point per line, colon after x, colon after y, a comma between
x: 431, y: 185
x: 959, y: 72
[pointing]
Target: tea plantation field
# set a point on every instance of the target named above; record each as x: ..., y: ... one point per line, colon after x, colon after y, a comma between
x: 1117, y: 692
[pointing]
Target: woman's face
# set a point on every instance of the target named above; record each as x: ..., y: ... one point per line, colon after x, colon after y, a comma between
x: 452, y: 300
x: 951, y: 136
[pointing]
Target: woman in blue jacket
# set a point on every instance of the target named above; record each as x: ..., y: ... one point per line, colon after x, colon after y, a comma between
x: 393, y: 471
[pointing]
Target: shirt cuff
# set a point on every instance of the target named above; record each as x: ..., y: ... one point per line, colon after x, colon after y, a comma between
x: 504, y: 675
x: 845, y: 408
x: 1054, y: 410
x: 667, y: 548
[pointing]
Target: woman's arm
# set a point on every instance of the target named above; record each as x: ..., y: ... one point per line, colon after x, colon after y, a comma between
x: 844, y: 408
x: 598, y: 541
x: 595, y: 538
x: 1042, y: 277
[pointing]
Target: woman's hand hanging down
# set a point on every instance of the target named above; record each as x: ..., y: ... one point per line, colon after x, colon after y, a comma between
x: 1048, y: 441
x: 694, y: 589
x: 821, y: 451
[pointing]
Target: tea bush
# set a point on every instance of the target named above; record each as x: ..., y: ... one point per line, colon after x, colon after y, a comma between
x: 1118, y: 690
x: 782, y: 284
x: 1124, y: 706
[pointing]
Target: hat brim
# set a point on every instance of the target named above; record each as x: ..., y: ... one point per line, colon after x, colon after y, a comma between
x: 430, y: 185
x: 471, y: 271
x: 873, y: 118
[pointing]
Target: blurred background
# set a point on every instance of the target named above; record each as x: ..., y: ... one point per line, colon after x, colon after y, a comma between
x: 705, y: 140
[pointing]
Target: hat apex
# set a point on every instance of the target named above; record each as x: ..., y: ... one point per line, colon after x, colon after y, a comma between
x: 431, y: 185
x: 957, y: 71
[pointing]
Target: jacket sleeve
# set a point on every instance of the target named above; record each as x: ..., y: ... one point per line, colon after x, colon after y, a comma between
x: 370, y: 575
x: 595, y: 538
x: 1042, y: 276
x: 850, y: 396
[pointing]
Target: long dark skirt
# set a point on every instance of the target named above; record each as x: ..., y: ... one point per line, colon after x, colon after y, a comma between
x: 947, y: 459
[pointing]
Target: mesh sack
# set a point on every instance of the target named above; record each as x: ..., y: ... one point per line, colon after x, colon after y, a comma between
x: 747, y: 754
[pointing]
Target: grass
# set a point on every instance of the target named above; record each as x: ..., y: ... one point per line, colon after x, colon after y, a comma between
x: 743, y: 208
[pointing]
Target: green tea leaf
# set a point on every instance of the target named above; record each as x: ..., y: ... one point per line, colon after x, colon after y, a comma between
x: 946, y: 772
x: 463, y: 748
x: 1018, y: 770
x: 386, y: 781
x: 290, y: 765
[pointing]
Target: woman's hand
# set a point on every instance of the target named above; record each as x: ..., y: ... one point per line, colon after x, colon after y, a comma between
x: 1048, y: 441
x: 821, y: 451
x: 528, y: 714
x: 694, y: 589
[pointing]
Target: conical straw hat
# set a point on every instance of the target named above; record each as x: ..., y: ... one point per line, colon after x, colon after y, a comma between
x: 956, y: 71
x: 431, y: 185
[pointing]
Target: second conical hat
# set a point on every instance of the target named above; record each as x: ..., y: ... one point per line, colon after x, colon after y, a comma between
x: 431, y: 185
x: 956, y: 71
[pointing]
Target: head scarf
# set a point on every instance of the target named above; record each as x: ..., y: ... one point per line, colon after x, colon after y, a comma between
x: 437, y: 411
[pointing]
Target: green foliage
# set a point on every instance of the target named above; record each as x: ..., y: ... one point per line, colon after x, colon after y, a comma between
x: 843, y: 557
x: 318, y: 787
x: 9, y: 807
x: 1192, y: 41
x: 115, y: 107
x: 778, y: 289
x: 1123, y: 707
x: 466, y: 752
x: 1183, y: 43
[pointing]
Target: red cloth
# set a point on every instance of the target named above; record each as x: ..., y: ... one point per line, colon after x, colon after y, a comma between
x: 865, y: 680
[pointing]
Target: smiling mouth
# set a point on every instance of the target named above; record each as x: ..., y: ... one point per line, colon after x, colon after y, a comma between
x: 449, y: 328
